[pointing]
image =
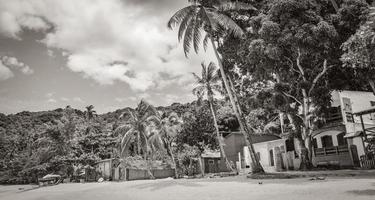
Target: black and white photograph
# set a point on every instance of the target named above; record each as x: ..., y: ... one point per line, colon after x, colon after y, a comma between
x: 187, y: 99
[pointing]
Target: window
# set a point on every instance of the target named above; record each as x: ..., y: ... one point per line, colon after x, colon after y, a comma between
x: 315, y: 143
x: 327, y: 141
x: 258, y: 155
x: 341, y: 140
x: 210, y: 161
x: 347, y: 104
x: 372, y: 115
x: 272, y: 163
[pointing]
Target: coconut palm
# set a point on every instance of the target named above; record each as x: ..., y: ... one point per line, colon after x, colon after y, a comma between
x: 90, y: 112
x: 137, y: 126
x: 169, y: 128
x: 207, y: 84
x: 207, y: 17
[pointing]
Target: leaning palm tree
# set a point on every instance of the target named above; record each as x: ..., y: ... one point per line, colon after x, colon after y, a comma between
x: 137, y: 126
x: 207, y: 84
x: 207, y: 17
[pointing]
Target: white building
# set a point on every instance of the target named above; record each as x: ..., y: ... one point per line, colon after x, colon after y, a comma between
x: 341, y: 141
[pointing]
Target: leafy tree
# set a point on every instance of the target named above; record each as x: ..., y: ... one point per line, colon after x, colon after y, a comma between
x: 295, y: 46
x: 207, y: 16
x: 359, y: 53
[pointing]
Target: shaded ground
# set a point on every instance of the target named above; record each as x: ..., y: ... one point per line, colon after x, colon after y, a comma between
x: 201, y: 189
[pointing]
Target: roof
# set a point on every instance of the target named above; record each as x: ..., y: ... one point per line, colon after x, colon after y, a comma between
x: 353, y: 134
x: 338, y: 127
x: 256, y: 138
x: 211, y: 154
x: 366, y: 111
x: 105, y: 160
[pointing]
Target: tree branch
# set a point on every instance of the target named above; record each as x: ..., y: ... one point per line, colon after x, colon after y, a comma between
x: 291, y: 96
x: 299, y: 64
x: 315, y: 81
x: 292, y: 65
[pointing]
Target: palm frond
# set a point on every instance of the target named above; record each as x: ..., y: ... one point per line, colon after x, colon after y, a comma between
x: 205, y: 41
x: 128, y: 115
x: 188, y: 36
x: 217, y: 88
x: 199, y: 90
x: 198, y: 79
x: 154, y: 119
x: 204, y: 72
x: 179, y: 16
x: 184, y: 23
x: 211, y: 71
x: 231, y: 6
x: 125, y: 141
x: 197, y: 33
x: 227, y: 23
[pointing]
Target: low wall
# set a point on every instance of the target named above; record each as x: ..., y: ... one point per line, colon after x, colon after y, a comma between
x: 141, y: 174
x: 342, y: 160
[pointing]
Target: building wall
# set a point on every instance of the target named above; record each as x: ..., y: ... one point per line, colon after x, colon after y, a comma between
x: 104, y: 168
x: 332, y: 133
x: 263, y: 151
x: 357, y: 141
x: 235, y: 142
x: 359, y: 101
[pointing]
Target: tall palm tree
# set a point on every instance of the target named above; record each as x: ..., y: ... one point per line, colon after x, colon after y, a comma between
x: 137, y: 125
x: 207, y: 84
x: 200, y: 17
x: 90, y: 112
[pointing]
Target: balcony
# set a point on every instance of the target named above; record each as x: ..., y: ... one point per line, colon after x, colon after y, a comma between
x: 333, y: 116
x: 338, y: 156
x: 335, y: 150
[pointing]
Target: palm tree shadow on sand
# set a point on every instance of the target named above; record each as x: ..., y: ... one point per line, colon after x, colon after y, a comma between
x: 157, y: 185
x: 368, y: 192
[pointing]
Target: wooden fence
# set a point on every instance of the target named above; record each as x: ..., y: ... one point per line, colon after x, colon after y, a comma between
x: 367, y: 163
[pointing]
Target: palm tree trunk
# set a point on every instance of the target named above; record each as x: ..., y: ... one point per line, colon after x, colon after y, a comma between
x: 201, y: 165
x: 223, y: 155
x: 372, y: 85
x: 257, y: 167
x: 138, y: 144
x: 149, y: 166
x: 174, y: 160
x: 334, y: 4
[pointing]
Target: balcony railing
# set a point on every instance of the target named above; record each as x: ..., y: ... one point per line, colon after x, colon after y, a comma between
x: 335, y: 150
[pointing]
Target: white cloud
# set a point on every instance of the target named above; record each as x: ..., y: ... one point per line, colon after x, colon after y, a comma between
x: 78, y: 99
x: 125, y: 99
x: 50, y: 53
x: 51, y: 100
x: 50, y: 94
x: 13, y: 63
x: 5, y: 72
x: 107, y: 40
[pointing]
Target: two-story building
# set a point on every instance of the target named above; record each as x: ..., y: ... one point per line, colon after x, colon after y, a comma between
x: 341, y: 140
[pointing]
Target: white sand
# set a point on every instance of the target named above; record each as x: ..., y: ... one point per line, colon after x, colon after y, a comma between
x: 201, y: 189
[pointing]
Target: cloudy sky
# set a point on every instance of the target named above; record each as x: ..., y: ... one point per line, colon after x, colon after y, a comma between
x: 108, y: 53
